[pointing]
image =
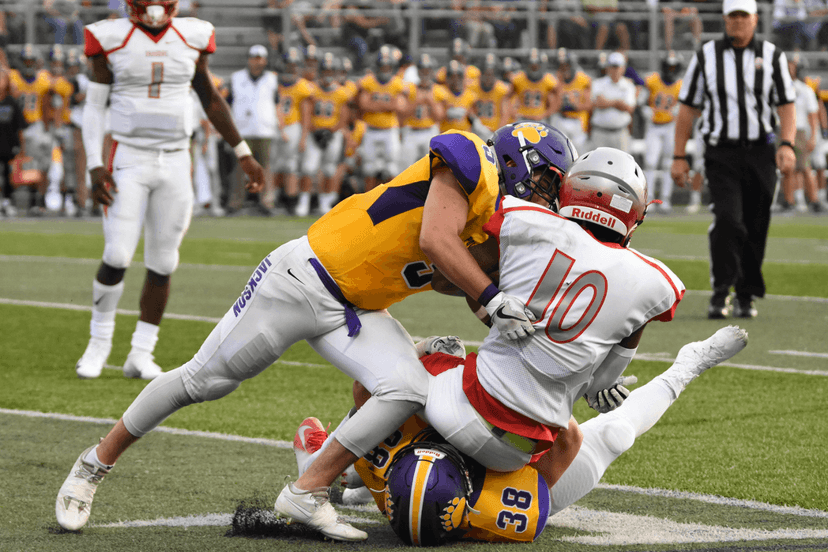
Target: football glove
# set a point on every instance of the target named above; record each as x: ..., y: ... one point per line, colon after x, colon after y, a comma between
x: 610, y: 399
x: 511, y: 316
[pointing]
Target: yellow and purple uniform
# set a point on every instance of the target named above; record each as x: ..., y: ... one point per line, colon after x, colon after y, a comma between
x: 328, y: 107
x: 458, y: 109
x: 32, y: 93
x: 504, y: 506
x: 533, y: 96
x: 489, y: 105
x: 64, y: 89
x: 386, y: 92
x: 369, y: 243
x: 663, y: 98
x: 472, y: 75
x: 291, y: 97
x: 421, y: 115
x: 356, y: 138
x: 574, y: 93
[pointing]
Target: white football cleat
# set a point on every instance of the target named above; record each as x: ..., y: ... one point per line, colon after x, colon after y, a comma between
x: 313, y: 508
x: 355, y: 497
x: 694, y: 358
x: 94, y: 357
x: 448, y: 344
x: 309, y: 438
x: 140, y: 364
x: 74, y: 500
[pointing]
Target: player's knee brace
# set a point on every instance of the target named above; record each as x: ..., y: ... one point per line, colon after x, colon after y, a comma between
x: 160, y: 398
x: 617, y: 435
x: 109, y: 275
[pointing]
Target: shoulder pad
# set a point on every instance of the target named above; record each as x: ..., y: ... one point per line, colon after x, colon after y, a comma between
x: 197, y: 33
x: 106, y: 35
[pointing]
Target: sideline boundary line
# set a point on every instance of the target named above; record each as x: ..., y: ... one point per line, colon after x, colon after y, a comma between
x: 712, y: 499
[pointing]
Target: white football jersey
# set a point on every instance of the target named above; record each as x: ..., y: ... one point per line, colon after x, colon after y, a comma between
x: 587, y: 296
x: 151, y: 105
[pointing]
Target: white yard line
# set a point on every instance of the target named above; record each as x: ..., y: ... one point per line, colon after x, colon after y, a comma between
x: 609, y: 529
x: 711, y: 499
x: 800, y: 354
x: 663, y: 357
x: 96, y: 262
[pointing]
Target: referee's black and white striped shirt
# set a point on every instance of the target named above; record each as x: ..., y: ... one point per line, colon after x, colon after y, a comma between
x: 736, y: 90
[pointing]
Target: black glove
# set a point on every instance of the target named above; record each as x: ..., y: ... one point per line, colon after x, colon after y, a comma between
x: 323, y: 137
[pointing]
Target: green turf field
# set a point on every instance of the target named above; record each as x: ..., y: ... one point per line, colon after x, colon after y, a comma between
x: 738, y: 462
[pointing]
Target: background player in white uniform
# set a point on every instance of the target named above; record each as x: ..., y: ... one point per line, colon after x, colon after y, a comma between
x: 144, y: 66
x: 591, y: 297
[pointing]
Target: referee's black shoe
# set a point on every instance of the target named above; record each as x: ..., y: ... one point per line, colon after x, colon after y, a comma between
x: 744, y: 307
x: 719, y: 306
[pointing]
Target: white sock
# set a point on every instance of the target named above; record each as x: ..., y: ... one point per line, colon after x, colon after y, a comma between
x: 695, y: 197
x: 145, y: 337
x: 666, y: 188
x: 104, y: 302
x: 607, y: 436
x: 304, y: 199
x: 822, y: 194
x: 799, y: 196
x: 92, y: 458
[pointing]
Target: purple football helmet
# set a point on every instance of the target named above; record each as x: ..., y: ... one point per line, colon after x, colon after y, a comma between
x: 522, y: 148
x: 427, y: 493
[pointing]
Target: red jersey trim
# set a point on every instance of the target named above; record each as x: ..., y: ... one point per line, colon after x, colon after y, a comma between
x: 437, y: 363
x: 667, y: 315
x: 91, y: 45
x: 124, y: 43
x: 155, y: 38
x: 499, y: 415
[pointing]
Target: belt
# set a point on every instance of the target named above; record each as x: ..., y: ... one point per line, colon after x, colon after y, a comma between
x: 607, y: 129
x: 523, y: 444
x: 351, y: 318
x: 739, y: 143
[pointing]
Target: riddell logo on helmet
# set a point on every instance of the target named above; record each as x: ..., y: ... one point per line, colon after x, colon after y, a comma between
x: 593, y: 216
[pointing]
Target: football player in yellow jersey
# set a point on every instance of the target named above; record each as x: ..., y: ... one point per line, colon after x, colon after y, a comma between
x: 576, y: 102
x: 426, y: 110
x: 329, y: 119
x: 662, y: 102
x: 536, y: 91
x: 381, y: 100
x: 432, y: 494
x: 493, y: 105
x: 459, y: 102
x: 60, y: 85
x: 30, y: 84
x: 295, y: 107
x: 460, y: 51
x: 332, y: 288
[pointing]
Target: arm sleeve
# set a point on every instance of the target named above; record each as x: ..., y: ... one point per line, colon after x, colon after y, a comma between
x: 94, y: 113
x: 611, y: 369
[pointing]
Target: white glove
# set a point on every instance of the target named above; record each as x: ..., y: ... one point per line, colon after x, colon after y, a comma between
x: 511, y: 316
x: 610, y: 399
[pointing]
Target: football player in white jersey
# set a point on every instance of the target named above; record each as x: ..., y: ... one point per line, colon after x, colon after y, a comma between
x: 144, y: 67
x: 590, y: 295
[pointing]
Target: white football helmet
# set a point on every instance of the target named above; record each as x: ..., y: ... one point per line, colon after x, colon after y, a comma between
x: 605, y: 187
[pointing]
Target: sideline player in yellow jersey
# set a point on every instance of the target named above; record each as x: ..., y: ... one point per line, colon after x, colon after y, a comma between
x: 459, y: 101
x: 662, y: 102
x: 30, y: 84
x: 426, y: 110
x: 536, y: 91
x: 329, y: 119
x: 460, y: 51
x: 381, y: 100
x: 332, y: 288
x: 576, y: 102
x: 295, y: 105
x: 493, y: 104
x: 818, y: 156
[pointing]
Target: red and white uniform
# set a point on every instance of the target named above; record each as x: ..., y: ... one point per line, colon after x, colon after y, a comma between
x: 151, y: 121
x: 587, y: 296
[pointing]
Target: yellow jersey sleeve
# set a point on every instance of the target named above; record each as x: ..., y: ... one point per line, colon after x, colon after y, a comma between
x: 291, y: 98
x: 370, y: 243
x: 663, y: 98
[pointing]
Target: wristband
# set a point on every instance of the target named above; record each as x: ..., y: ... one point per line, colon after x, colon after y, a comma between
x: 680, y: 158
x: 787, y: 143
x: 488, y: 294
x: 242, y: 149
x: 481, y: 313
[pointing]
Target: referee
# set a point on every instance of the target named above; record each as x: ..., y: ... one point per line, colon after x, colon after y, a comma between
x: 733, y: 83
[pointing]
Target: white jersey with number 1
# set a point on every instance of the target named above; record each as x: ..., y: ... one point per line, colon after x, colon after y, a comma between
x: 151, y: 105
x: 587, y: 296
